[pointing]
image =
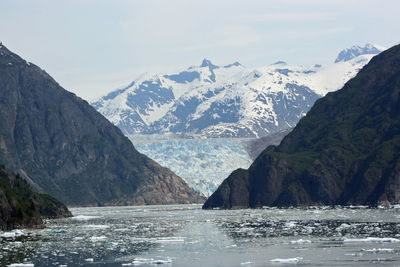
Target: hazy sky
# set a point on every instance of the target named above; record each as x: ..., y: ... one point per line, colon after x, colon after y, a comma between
x: 92, y: 46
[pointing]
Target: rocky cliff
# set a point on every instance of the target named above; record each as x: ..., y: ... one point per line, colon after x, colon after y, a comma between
x: 346, y: 150
x: 21, y: 207
x: 65, y: 148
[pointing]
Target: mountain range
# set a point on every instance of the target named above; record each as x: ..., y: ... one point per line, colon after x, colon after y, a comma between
x: 345, y: 151
x: 227, y: 101
x: 63, y: 147
x: 206, y: 121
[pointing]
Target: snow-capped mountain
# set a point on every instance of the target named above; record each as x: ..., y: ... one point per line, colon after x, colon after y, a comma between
x: 227, y: 101
x: 355, y: 51
x: 221, y: 101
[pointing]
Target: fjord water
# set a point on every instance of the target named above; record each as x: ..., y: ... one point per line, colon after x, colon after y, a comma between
x: 185, y: 235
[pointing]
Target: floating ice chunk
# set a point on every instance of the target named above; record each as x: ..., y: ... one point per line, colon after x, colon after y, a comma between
x: 84, y: 217
x: 21, y: 265
x: 12, y: 234
x: 300, y: 241
x: 342, y: 226
x: 160, y: 260
x: 290, y: 224
x: 372, y: 239
x: 169, y: 239
x: 379, y: 250
x: 287, y: 261
x: 93, y: 226
x: 357, y: 254
x: 98, y: 238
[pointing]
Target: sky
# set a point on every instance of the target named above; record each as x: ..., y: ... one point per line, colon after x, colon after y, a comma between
x: 92, y: 47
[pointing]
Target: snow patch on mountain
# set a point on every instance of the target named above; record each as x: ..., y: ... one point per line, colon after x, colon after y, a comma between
x: 355, y: 51
x: 227, y: 101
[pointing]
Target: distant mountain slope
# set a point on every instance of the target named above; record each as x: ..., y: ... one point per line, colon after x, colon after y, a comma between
x: 355, y: 51
x: 65, y: 148
x: 21, y: 207
x: 346, y: 150
x: 227, y: 101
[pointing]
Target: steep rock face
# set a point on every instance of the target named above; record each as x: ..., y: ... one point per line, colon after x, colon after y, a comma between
x: 21, y: 207
x: 346, y: 150
x: 63, y: 147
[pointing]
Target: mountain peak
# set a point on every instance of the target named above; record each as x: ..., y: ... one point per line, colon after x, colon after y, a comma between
x: 234, y: 64
x: 279, y: 63
x: 207, y: 63
x: 355, y: 51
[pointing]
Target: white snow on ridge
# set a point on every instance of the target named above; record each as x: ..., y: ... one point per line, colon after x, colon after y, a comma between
x: 211, y: 102
x: 227, y: 101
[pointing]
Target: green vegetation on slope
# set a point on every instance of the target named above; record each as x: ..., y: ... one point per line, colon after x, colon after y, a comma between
x: 22, y: 207
x: 346, y: 150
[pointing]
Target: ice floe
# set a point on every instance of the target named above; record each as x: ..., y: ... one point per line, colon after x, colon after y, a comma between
x: 287, y: 261
x: 93, y: 226
x: 379, y: 250
x: 149, y: 261
x: 372, y: 240
x: 300, y: 241
x: 84, y: 217
x: 98, y: 238
x: 12, y: 234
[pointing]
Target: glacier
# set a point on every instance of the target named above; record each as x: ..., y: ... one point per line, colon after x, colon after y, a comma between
x: 202, y: 163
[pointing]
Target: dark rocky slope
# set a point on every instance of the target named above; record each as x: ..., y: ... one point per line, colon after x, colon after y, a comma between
x: 65, y: 148
x: 345, y: 151
x: 256, y: 146
x: 21, y: 207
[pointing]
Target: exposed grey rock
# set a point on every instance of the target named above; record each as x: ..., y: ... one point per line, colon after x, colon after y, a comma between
x: 69, y: 150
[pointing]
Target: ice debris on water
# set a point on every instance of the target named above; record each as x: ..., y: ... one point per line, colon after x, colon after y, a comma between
x: 84, y: 217
x: 149, y: 261
x: 98, y: 238
x: 379, y: 250
x: 288, y: 260
x: 93, y: 227
x: 372, y: 239
x: 300, y: 241
x: 12, y: 234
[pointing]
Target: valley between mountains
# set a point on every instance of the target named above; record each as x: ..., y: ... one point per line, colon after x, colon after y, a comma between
x: 202, y: 123
x: 208, y: 120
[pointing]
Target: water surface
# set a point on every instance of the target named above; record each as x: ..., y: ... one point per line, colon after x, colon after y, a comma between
x: 185, y: 235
